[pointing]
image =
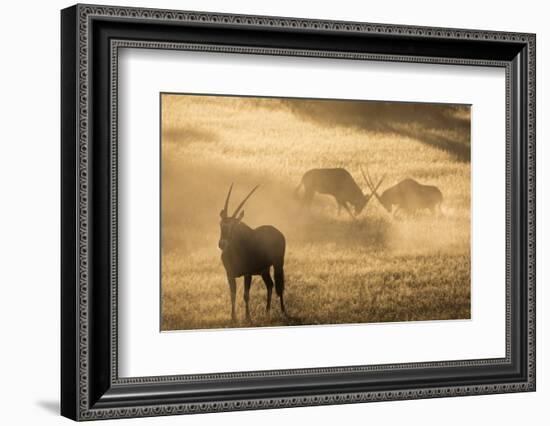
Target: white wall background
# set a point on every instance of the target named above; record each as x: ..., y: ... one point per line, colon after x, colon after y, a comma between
x: 29, y: 211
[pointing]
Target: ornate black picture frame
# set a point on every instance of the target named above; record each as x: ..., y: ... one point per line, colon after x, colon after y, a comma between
x: 91, y: 387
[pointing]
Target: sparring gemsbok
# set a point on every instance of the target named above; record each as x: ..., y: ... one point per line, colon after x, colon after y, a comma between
x: 247, y: 252
x: 336, y: 182
x: 408, y: 195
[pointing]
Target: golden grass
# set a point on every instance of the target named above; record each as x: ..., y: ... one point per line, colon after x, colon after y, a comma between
x: 337, y: 270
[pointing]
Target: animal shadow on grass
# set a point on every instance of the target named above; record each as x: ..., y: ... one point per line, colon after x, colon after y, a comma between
x: 294, y: 320
x: 285, y: 320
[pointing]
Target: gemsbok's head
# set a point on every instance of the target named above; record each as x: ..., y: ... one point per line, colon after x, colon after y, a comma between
x: 229, y: 223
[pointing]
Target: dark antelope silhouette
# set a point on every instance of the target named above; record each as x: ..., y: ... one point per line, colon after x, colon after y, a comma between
x: 247, y: 252
x: 408, y: 195
x: 338, y: 183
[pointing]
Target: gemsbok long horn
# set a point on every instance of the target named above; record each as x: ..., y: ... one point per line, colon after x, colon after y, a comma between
x: 244, y: 201
x: 369, y: 182
x: 227, y: 200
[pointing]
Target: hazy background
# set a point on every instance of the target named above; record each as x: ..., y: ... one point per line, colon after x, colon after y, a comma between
x: 337, y: 270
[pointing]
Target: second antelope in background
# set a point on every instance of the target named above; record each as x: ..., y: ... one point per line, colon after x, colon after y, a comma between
x: 247, y: 252
x: 408, y: 195
x: 340, y: 184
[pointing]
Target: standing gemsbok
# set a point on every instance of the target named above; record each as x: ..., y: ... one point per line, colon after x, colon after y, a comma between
x: 336, y: 182
x: 247, y: 252
x: 408, y: 195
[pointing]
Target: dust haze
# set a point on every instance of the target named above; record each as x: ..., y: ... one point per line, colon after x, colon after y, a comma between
x: 374, y: 268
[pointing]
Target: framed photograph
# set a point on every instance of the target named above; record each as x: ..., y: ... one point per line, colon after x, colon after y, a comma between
x: 263, y: 212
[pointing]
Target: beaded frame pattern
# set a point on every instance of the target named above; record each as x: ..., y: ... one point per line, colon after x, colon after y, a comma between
x: 87, y: 12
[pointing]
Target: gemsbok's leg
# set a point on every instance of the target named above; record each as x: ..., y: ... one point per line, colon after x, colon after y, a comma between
x: 247, y: 282
x: 280, y: 285
x: 440, y: 210
x: 349, y: 211
x: 308, y: 197
x: 394, y: 212
x: 233, y: 291
x: 269, y: 286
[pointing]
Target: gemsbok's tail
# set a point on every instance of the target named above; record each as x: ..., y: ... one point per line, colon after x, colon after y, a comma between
x: 441, y: 214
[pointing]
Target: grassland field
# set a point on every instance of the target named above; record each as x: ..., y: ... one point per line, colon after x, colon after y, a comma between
x: 337, y: 270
